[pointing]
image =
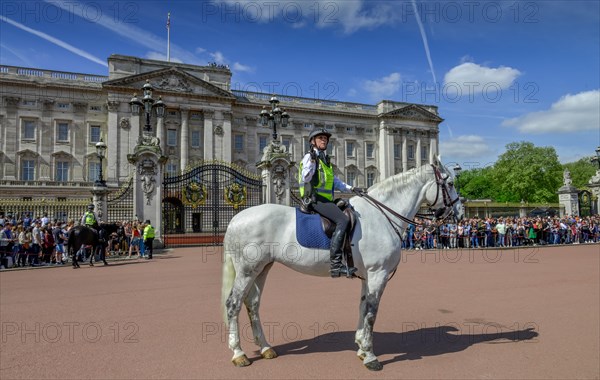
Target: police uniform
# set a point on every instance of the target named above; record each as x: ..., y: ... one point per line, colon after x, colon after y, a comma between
x: 148, y: 238
x: 317, y: 183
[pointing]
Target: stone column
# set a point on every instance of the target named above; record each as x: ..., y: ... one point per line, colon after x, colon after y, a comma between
x: 147, y: 183
x: 227, y: 137
x: 384, y: 152
x: 185, y: 143
x: 208, y: 135
x: 418, y: 152
x: 433, y: 153
x: 404, y: 151
x: 275, y: 166
x: 99, y: 198
x: 160, y: 133
x: 112, y: 142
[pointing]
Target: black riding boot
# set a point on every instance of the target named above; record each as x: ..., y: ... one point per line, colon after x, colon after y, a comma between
x: 335, y: 254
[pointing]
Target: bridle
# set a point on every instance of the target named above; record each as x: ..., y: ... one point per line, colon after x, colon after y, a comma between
x: 441, y: 183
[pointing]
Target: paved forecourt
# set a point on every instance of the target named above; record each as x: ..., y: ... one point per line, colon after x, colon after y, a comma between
x: 519, y: 313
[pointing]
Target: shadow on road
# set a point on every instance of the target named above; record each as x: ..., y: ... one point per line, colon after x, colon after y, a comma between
x: 409, y: 345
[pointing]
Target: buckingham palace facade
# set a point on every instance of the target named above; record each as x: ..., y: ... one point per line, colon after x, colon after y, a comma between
x: 50, y: 122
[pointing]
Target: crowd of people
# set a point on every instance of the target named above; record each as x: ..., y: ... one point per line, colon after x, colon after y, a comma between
x: 41, y: 241
x: 502, y: 232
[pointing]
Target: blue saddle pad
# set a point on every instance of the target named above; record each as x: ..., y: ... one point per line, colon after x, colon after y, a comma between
x: 309, y: 231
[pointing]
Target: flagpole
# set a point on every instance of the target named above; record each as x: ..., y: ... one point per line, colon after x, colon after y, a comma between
x: 169, y: 37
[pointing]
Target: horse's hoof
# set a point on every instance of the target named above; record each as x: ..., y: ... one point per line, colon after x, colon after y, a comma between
x: 241, y: 361
x: 269, y: 353
x: 374, y: 365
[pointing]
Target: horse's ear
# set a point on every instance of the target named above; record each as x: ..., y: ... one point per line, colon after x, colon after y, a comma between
x: 438, y: 160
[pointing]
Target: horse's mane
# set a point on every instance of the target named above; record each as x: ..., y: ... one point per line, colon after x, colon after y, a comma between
x: 397, y: 180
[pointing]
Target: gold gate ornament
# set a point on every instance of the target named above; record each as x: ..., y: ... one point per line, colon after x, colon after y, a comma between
x: 235, y: 195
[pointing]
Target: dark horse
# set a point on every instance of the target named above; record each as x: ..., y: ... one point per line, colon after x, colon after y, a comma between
x: 83, y: 235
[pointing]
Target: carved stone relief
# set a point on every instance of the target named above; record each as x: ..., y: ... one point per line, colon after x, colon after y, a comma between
x: 147, y: 170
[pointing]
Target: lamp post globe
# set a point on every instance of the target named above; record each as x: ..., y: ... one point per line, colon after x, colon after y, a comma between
x: 274, y: 118
x: 147, y: 103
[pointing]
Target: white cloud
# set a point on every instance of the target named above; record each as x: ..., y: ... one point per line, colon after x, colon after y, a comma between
x: 382, y: 88
x: 218, y: 57
x: 242, y: 68
x: 471, y: 77
x: 464, y: 147
x: 349, y: 15
x: 571, y: 113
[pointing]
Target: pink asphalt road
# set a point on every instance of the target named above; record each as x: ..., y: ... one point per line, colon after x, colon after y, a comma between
x: 527, y: 313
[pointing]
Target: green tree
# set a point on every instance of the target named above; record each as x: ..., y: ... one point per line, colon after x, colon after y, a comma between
x: 526, y: 172
x: 476, y: 183
x: 581, y: 171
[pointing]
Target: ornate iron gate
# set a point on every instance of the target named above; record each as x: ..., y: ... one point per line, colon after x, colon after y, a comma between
x: 198, y: 205
x: 119, y: 205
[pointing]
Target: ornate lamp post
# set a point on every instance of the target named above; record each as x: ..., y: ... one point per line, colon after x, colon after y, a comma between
x: 148, y: 104
x: 101, y: 153
x: 274, y: 118
x: 597, y: 158
x: 457, y: 170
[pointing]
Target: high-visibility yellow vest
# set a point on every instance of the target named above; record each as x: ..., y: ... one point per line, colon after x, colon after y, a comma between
x: 90, y: 219
x: 324, y: 186
x: 148, y: 232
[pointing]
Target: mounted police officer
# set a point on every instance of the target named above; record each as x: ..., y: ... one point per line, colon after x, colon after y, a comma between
x: 317, y: 183
x: 89, y: 218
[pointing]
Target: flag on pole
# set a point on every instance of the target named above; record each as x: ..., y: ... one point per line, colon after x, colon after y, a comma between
x: 169, y: 20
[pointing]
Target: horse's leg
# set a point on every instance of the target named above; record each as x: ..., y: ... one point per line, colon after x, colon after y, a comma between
x: 252, y: 303
x: 358, y: 337
x: 233, y: 305
x: 364, y: 338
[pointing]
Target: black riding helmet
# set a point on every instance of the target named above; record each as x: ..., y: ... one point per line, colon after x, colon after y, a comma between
x: 317, y: 132
x: 90, y: 206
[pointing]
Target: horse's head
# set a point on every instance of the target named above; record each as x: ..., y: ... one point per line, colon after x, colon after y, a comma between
x: 441, y: 195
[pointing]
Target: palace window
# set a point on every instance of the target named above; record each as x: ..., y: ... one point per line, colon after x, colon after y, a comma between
x: 62, y: 171
x: 171, y: 137
x: 308, y: 126
x: 62, y: 106
x: 27, y: 170
x: 370, y: 150
x: 397, y: 151
x: 351, y: 177
x: 424, y: 152
x: 62, y: 132
x: 94, y: 134
x: 349, y: 149
x: 370, y: 178
x: 262, y: 143
x: 93, y: 171
x: 195, y: 139
x: 238, y: 143
x: 411, y: 152
x: 171, y: 169
x: 28, y: 130
x: 287, y: 142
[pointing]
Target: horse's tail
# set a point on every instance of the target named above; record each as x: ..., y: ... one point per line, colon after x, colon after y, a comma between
x: 227, y: 284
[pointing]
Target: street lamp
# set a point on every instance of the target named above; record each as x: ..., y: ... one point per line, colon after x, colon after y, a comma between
x: 276, y: 117
x: 457, y: 169
x: 148, y: 103
x: 597, y: 158
x: 101, y: 153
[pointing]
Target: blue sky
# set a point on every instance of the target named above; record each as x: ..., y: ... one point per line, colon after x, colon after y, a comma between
x: 499, y: 71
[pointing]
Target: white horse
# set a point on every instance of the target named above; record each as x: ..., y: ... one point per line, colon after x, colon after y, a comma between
x: 261, y: 235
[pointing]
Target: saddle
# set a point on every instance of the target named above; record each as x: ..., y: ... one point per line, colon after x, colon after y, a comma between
x: 329, y: 227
